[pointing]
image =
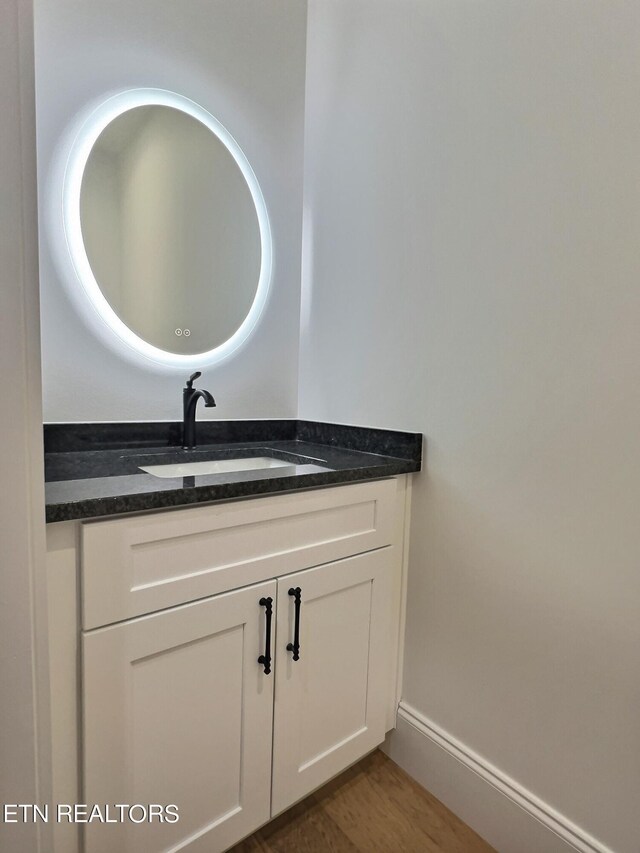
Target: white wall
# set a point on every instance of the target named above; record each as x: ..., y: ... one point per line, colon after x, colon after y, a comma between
x: 243, y: 61
x: 22, y: 493
x: 471, y: 270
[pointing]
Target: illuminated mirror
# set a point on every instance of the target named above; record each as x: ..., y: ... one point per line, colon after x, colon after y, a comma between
x: 167, y: 227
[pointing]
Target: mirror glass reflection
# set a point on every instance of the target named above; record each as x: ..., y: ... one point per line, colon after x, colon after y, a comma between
x: 170, y: 229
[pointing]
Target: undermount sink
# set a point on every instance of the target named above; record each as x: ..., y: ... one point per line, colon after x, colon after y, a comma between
x: 215, y: 466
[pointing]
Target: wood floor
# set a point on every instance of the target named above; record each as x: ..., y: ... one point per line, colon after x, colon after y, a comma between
x: 372, y: 808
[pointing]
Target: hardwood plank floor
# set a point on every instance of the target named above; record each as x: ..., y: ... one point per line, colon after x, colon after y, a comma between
x: 374, y: 807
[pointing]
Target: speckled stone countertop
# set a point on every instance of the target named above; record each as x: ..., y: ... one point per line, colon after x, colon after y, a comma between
x: 93, y: 470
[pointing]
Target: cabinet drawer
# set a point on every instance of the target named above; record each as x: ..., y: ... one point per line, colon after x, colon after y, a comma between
x: 136, y: 565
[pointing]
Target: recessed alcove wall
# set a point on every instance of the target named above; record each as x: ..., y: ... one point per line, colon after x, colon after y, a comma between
x: 242, y: 61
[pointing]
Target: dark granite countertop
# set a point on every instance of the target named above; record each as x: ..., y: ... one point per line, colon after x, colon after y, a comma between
x: 93, y: 470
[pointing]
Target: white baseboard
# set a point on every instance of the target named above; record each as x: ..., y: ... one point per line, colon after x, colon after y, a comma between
x: 503, y: 812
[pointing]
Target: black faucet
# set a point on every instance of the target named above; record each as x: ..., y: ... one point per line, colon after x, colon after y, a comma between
x: 190, y: 397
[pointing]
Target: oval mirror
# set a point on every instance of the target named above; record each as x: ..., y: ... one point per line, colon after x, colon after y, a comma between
x: 172, y: 227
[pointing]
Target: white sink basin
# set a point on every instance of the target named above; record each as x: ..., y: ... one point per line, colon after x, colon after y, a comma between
x: 215, y: 466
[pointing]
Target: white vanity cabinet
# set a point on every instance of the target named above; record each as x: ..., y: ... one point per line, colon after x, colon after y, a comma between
x: 178, y: 711
x: 171, y: 632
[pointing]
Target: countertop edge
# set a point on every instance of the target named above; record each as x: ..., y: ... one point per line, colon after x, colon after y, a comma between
x: 90, y: 508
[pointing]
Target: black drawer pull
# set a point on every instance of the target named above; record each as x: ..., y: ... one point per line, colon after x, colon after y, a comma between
x: 265, y: 659
x: 295, y: 646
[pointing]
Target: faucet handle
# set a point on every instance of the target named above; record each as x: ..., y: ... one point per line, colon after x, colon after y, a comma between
x: 193, y: 378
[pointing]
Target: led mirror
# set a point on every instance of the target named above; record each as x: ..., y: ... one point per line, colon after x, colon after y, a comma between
x: 174, y: 242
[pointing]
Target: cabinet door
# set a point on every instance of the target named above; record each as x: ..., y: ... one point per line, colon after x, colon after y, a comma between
x: 330, y: 704
x: 177, y: 710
